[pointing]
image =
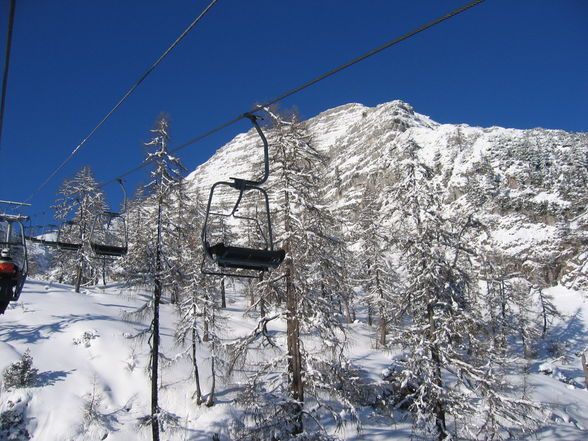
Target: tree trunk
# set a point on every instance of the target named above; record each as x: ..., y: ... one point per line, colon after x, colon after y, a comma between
x: 585, y: 368
x: 104, y: 272
x: 205, y: 326
x: 262, y: 307
x: 294, y: 357
x: 347, y: 309
x: 194, y: 361
x: 383, y: 327
x: 210, y: 397
x: 383, y: 319
x: 155, y: 335
x: 296, y: 386
x: 251, y: 293
x: 437, y: 404
x: 79, y: 274
x: 155, y: 363
x: 223, y: 296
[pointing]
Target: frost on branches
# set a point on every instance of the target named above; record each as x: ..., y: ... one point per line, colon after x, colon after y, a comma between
x: 450, y: 376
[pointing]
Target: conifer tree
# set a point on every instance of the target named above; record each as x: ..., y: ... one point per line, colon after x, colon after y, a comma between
x: 306, y: 289
x: 450, y: 370
x: 150, y: 258
x: 81, y: 200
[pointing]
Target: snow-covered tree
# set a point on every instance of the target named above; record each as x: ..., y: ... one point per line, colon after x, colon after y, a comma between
x: 152, y: 257
x: 305, y: 291
x: 20, y: 373
x: 375, y: 273
x: 450, y: 376
x: 81, y: 200
x: 200, y: 316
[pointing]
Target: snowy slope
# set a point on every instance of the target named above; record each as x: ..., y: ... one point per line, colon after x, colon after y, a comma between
x: 81, y: 345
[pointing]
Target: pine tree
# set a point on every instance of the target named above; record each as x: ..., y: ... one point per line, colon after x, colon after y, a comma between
x: 450, y: 369
x: 151, y: 257
x: 306, y: 288
x: 81, y: 196
x: 20, y: 373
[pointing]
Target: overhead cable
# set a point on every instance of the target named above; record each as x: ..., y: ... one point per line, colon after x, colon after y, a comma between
x: 307, y: 84
x: 6, y: 65
x: 123, y: 99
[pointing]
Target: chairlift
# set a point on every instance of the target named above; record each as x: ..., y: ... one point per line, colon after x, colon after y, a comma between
x: 42, y: 234
x: 231, y: 255
x: 109, y: 237
x: 33, y: 233
x: 108, y: 234
x: 14, y: 266
x: 69, y: 236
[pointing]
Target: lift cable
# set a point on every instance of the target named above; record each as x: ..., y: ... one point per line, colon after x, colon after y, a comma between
x: 6, y: 65
x: 125, y: 96
x: 307, y: 84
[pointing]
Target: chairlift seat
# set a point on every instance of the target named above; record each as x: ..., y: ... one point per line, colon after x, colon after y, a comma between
x: 108, y: 250
x: 67, y: 246
x: 246, y: 258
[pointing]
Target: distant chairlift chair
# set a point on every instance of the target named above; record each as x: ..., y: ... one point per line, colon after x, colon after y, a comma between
x: 109, y: 237
x: 228, y: 257
x: 69, y: 236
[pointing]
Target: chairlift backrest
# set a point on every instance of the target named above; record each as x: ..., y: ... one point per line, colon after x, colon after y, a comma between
x: 13, y: 244
x: 13, y: 239
x: 69, y: 236
x: 42, y: 234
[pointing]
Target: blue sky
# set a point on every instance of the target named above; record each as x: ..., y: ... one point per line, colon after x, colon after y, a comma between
x: 512, y: 63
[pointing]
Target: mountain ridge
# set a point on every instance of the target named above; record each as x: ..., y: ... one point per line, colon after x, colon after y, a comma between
x: 528, y: 186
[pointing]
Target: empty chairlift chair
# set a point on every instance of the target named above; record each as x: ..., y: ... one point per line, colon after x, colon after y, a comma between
x: 109, y: 236
x: 241, y: 253
x: 43, y: 234
x: 69, y: 236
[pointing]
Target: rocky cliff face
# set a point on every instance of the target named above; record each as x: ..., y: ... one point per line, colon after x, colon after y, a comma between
x: 527, y: 186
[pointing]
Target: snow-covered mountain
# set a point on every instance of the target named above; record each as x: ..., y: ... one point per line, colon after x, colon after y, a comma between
x: 528, y: 187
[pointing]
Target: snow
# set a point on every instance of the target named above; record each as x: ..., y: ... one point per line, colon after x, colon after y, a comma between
x: 550, y: 197
x: 521, y: 237
x: 81, y: 344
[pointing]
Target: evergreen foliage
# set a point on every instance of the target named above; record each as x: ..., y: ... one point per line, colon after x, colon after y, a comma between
x: 20, y: 373
x: 451, y: 375
x: 13, y: 424
x: 80, y: 202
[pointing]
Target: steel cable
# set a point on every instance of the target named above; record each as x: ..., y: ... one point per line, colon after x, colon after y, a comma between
x: 308, y: 84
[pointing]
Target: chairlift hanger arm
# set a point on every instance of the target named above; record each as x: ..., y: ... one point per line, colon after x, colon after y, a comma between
x: 246, y: 183
x: 120, y: 182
